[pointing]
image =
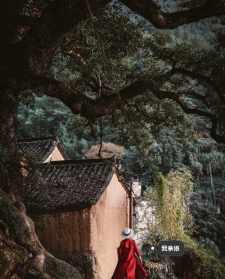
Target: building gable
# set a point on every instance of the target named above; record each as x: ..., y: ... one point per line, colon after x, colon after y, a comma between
x: 42, y: 150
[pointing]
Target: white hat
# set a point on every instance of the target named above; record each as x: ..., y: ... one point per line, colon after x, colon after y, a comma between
x: 127, y: 233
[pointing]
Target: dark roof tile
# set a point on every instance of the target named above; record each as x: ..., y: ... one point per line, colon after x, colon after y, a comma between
x: 67, y: 185
x: 39, y: 149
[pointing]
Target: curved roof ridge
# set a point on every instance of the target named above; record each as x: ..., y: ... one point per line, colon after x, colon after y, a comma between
x: 80, y: 161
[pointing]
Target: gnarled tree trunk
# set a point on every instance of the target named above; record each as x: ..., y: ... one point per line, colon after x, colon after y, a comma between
x: 21, y: 253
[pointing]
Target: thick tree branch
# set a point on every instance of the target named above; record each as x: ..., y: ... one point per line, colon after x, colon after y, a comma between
x: 160, y: 19
x: 61, y: 16
x: 106, y: 105
x: 80, y: 103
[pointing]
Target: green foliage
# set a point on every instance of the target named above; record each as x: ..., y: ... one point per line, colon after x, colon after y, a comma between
x: 96, y: 48
x: 119, y: 49
x: 210, y: 266
x: 36, y: 121
x: 157, y: 136
x: 169, y: 197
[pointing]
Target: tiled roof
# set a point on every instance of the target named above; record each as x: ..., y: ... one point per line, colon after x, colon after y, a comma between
x: 67, y: 185
x: 39, y: 149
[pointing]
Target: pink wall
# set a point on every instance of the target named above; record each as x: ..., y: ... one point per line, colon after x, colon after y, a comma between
x: 108, y: 217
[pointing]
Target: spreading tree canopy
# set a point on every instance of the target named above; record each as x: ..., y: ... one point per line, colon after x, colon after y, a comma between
x: 33, y: 32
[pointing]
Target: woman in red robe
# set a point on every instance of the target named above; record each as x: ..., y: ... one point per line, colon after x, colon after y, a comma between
x: 129, y: 265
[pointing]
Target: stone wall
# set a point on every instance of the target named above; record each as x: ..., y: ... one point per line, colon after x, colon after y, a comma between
x: 144, y: 218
